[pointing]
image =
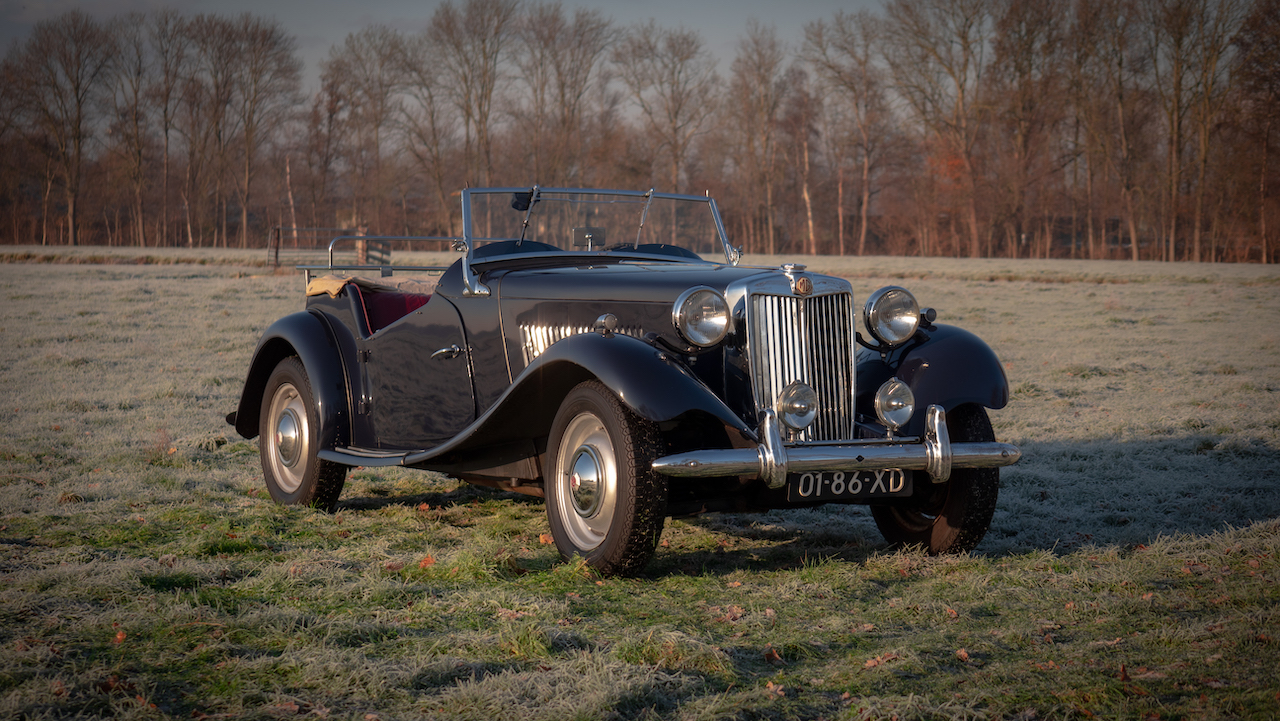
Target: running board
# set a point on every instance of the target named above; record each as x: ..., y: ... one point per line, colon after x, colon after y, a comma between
x: 363, y: 457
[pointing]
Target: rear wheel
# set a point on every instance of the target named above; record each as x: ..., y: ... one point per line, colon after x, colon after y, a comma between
x: 949, y: 517
x: 288, y: 442
x: 604, y: 500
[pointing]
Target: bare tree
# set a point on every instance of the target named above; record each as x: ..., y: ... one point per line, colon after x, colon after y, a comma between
x: 1171, y: 38
x: 473, y: 40
x: 61, y: 70
x: 558, y: 58
x: 131, y: 78
x: 428, y: 125
x: 799, y: 123
x: 844, y: 52
x: 1122, y: 71
x: 1216, y: 24
x: 757, y: 89
x: 672, y: 78
x: 1026, y: 88
x: 937, y: 51
x: 1257, y: 70
x: 366, y: 71
x: 206, y: 122
x: 322, y: 141
x: 169, y: 41
x: 266, y: 79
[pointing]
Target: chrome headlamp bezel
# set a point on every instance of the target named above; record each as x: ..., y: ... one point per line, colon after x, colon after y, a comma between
x: 891, y: 315
x: 701, y: 316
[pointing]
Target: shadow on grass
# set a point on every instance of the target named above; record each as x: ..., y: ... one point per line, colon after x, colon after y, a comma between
x: 1061, y: 497
x: 463, y: 495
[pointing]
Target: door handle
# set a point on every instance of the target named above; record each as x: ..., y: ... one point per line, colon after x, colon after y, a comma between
x: 451, y: 351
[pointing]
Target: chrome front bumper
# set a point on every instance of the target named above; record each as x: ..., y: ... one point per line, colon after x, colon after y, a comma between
x: 772, y: 459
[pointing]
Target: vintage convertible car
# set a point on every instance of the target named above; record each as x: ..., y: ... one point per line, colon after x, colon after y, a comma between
x: 582, y: 350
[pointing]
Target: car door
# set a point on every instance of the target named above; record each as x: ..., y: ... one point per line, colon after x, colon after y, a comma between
x: 418, y: 390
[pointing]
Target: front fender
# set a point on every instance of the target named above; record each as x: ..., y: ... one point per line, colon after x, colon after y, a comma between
x: 309, y: 336
x: 950, y: 367
x: 648, y: 381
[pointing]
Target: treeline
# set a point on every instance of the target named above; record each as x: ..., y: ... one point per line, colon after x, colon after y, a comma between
x: 1090, y: 128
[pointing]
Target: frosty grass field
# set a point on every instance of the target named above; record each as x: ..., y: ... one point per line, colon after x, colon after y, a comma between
x: 1131, y: 569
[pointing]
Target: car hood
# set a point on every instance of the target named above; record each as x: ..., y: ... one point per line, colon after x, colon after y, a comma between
x: 627, y: 281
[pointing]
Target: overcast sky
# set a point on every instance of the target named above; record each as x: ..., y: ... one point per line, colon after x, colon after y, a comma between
x: 321, y: 24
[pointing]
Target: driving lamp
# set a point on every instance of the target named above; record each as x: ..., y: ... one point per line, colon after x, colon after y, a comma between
x: 895, y: 403
x: 891, y: 315
x: 797, y: 406
x: 701, y: 316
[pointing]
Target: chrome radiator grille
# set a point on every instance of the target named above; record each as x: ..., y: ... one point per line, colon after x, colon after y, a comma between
x: 808, y: 340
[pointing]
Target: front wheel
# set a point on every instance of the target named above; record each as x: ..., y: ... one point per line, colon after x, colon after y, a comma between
x: 288, y: 442
x: 604, y: 500
x: 949, y: 517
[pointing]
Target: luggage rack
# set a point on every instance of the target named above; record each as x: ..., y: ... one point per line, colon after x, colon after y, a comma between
x: 377, y: 248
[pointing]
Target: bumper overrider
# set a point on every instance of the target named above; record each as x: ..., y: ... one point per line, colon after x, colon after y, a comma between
x: 772, y: 459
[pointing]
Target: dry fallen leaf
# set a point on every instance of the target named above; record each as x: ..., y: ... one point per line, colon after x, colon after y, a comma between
x: 427, y: 562
x: 951, y: 613
x: 546, y: 539
x: 879, y: 660
x: 393, y: 565
x: 962, y: 654
x: 771, y: 656
x: 120, y: 637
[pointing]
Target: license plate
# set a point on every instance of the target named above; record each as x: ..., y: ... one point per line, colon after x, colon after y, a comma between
x: 848, y: 485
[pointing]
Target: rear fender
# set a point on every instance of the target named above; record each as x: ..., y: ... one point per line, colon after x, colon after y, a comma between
x: 949, y: 368
x: 309, y: 336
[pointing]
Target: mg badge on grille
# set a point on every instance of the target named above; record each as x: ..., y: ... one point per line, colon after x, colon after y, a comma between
x: 802, y: 285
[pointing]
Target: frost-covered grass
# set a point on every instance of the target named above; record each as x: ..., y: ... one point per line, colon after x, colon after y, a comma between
x: 1131, y: 569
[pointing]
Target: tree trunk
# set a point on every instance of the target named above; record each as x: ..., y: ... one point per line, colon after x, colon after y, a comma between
x: 1262, y: 192
x: 293, y: 212
x: 866, y: 201
x: 840, y: 208
x: 808, y: 204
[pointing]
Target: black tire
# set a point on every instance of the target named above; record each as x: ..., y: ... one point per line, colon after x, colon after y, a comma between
x: 949, y: 517
x: 288, y: 442
x: 604, y: 501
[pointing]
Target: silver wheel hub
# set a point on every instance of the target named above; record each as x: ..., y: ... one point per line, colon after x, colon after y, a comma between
x: 288, y: 443
x: 586, y: 478
x: 585, y: 481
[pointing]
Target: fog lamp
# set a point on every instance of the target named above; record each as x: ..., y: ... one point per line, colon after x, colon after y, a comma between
x: 797, y: 406
x: 895, y: 403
